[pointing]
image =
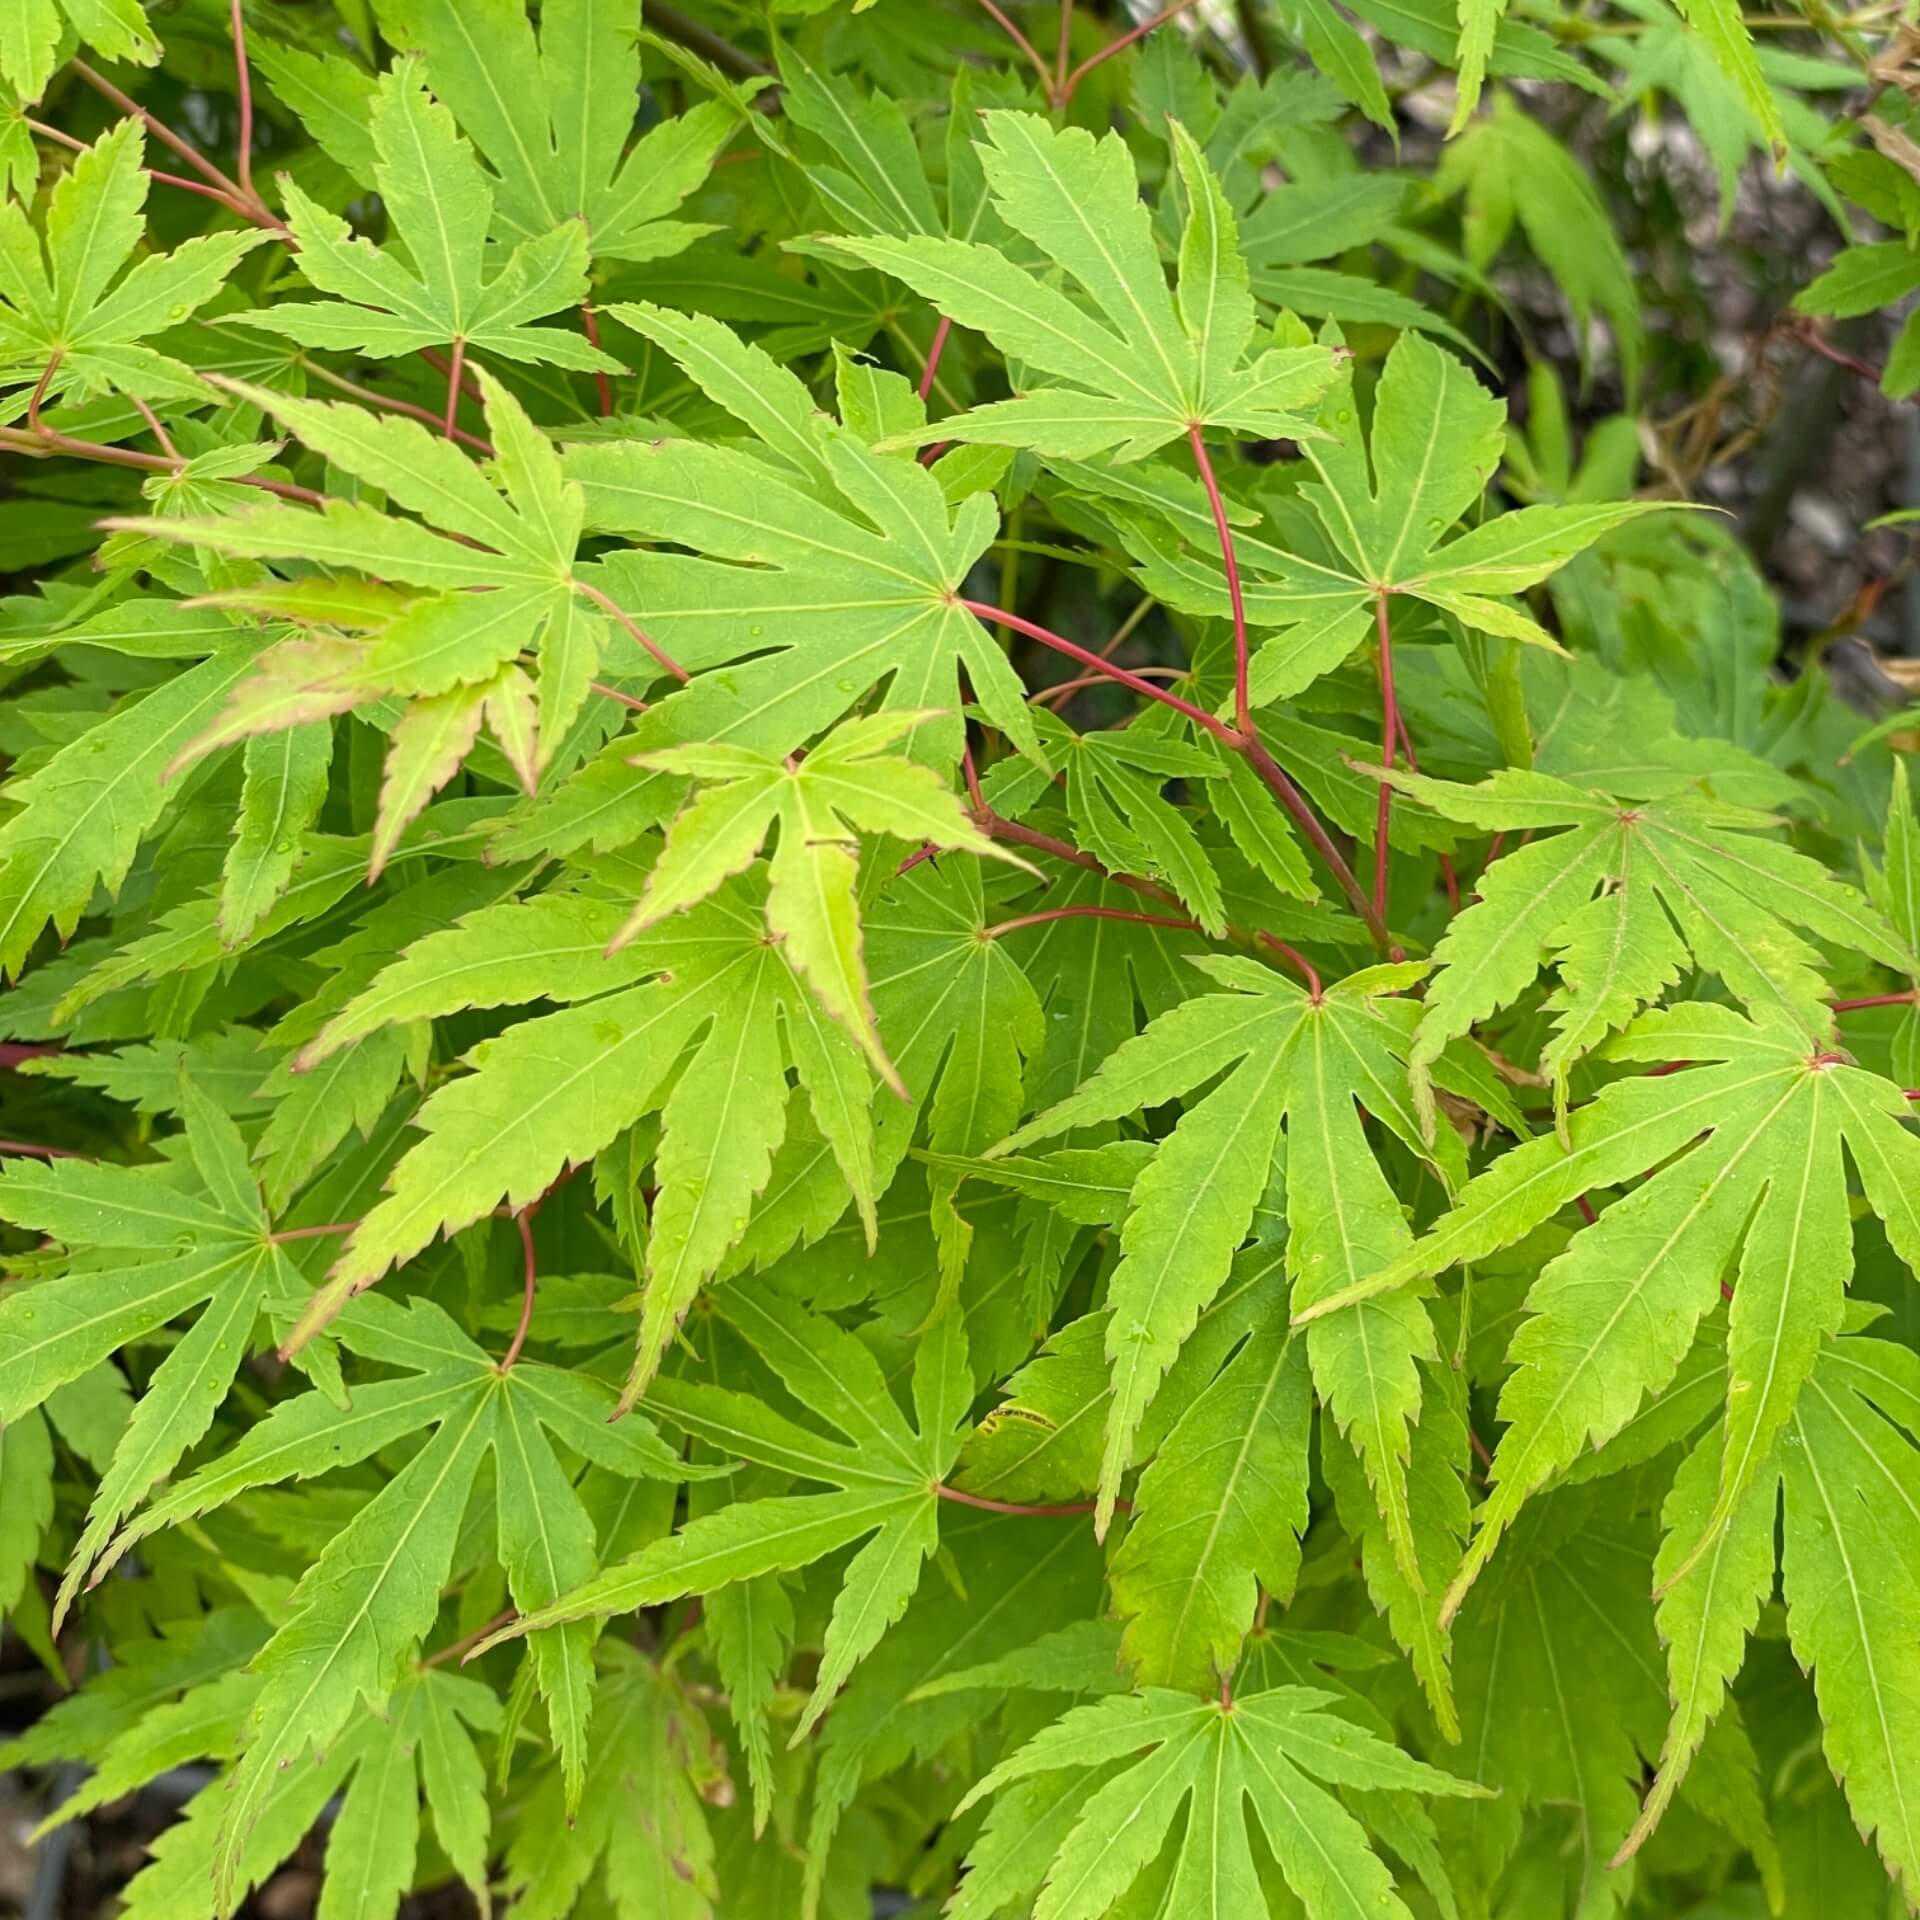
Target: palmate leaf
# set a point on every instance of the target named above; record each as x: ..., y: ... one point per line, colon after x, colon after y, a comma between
x: 552, y: 1092
x: 1746, y: 1180
x: 640, y: 1819
x: 1272, y: 1754
x: 440, y: 292
x: 358, y: 1615
x: 497, y: 578
x: 845, y: 786
x: 1305, y: 1060
x: 1841, y: 1482
x: 396, y: 1775
x: 1385, y: 503
x: 146, y: 1246
x: 1136, y: 366
x: 557, y: 136
x: 814, y: 569
x: 71, y: 296
x: 886, y: 1474
x: 1630, y: 888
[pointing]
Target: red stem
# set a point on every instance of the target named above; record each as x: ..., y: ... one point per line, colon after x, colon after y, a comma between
x: 1242, y: 712
x: 1296, y: 959
x: 162, y: 438
x: 248, y: 205
x: 524, y: 1221
x: 392, y: 405
x: 1199, y: 716
x: 590, y: 322
x: 611, y: 608
x: 934, y: 352
x: 1317, y: 837
x: 311, y: 1233
x: 1120, y: 45
x: 1390, y: 729
x: 1089, y: 913
x: 1025, y: 45
x: 44, y: 1153
x: 245, y: 84
x: 1054, y: 1511
x: 467, y: 1641
x: 1907, y: 999
x: 454, y: 370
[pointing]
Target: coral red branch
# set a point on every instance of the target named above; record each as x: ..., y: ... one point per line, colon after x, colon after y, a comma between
x: 1242, y: 712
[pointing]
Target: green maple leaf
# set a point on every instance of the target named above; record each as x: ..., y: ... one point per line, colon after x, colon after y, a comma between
x: 1840, y: 1484
x: 641, y: 1819
x: 1621, y: 897
x: 884, y: 1474
x: 394, y: 1774
x: 1272, y: 1754
x: 31, y: 31
x: 844, y: 572
x: 1290, y: 1057
x: 844, y: 786
x: 1384, y: 504
x: 74, y: 294
x: 497, y: 578
x: 552, y: 1092
x: 1135, y: 366
x: 145, y: 1247
x: 439, y: 292
x: 359, y: 1613
x: 1745, y: 1177
x: 557, y: 137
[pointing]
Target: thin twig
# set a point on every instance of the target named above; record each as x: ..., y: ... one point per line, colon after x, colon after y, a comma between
x: 34, y: 1149
x: 1055, y: 1510
x: 1088, y: 913
x: 1389, y: 740
x: 1907, y: 999
x: 425, y: 415
x: 590, y: 322
x: 311, y: 1233
x: 934, y: 352
x: 244, y: 82
x: 1106, y: 53
x: 611, y: 608
x: 162, y: 438
x: 523, y: 1220
x: 454, y: 1649
x: 1242, y: 710
x: 999, y: 616
x: 454, y: 370
x: 1025, y: 45
x: 1296, y: 959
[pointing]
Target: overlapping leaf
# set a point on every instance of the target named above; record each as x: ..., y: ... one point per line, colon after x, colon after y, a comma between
x: 1291, y: 1056
x: 1271, y: 1755
x: 440, y: 292
x: 78, y: 307
x: 885, y: 1473
x: 846, y: 785
x: 1746, y: 1181
x: 1135, y: 366
x: 1620, y: 898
